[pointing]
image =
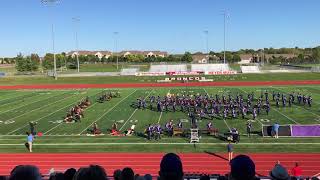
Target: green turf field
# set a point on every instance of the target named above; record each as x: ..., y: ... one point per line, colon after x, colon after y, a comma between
x: 153, y: 79
x: 48, y: 107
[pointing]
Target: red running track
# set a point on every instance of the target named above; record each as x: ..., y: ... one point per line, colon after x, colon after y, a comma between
x: 177, y: 84
x: 144, y: 163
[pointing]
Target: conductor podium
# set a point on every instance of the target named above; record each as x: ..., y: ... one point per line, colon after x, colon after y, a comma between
x: 194, y: 135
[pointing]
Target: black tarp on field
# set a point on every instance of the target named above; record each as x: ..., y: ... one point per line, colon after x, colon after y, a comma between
x: 284, y: 130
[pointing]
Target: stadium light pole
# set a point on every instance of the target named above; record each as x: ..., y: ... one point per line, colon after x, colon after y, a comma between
x: 76, y: 20
x: 116, y: 46
x: 225, y: 15
x: 206, y: 33
x: 52, y: 2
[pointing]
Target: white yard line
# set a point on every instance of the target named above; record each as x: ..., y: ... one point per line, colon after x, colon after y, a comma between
x: 107, y: 111
x: 13, y: 96
x: 155, y: 143
x: 162, y: 111
x: 44, y: 116
x: 128, y: 119
x: 286, y: 116
x: 134, y: 112
x: 276, y: 110
x: 301, y: 107
x: 30, y: 103
x: 35, y: 109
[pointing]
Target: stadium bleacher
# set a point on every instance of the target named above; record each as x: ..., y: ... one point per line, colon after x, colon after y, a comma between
x: 250, y: 69
x: 129, y: 71
x: 168, y: 68
x: 209, y: 67
x: 171, y: 167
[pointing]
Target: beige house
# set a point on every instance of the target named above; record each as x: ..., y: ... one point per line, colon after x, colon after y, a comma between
x: 144, y: 53
x: 200, y: 58
x: 99, y: 54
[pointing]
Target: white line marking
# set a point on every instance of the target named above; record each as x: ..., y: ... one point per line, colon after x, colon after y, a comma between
x: 285, y: 116
x: 154, y: 143
x: 134, y: 112
x: 45, y: 115
x: 225, y: 122
x: 162, y: 111
x: 300, y: 107
x: 275, y: 110
x: 107, y: 111
x: 24, y: 105
x: 36, y: 108
x: 11, y: 97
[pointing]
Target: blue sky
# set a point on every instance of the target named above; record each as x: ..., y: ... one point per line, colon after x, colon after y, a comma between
x: 175, y: 26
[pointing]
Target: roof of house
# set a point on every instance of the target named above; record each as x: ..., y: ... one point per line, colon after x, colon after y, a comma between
x: 246, y: 56
x: 200, y: 57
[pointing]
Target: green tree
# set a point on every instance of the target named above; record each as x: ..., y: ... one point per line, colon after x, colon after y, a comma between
x: 47, y: 62
x: 34, y: 62
x: 187, y: 57
x: 316, y: 55
x: 21, y: 64
x: 236, y: 58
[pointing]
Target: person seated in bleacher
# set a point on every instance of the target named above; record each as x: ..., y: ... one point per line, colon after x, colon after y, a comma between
x: 242, y: 168
x: 235, y: 135
x: 171, y: 167
x: 26, y: 172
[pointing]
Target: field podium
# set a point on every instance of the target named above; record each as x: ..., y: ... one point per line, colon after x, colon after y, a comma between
x: 194, y: 135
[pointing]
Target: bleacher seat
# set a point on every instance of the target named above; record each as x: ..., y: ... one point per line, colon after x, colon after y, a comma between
x: 210, y: 67
x: 168, y: 68
x: 129, y: 72
x: 250, y: 69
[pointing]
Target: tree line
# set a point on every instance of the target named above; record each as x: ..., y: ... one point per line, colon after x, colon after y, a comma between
x: 33, y: 62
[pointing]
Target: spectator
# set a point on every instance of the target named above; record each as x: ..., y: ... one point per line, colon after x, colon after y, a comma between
x: 56, y: 176
x: 25, y: 172
x: 230, y: 151
x: 171, y: 167
x: 117, y: 174
x: 275, y: 129
x: 279, y: 173
x: 29, y: 141
x: 92, y: 172
x: 68, y: 175
x: 205, y: 177
x: 242, y: 168
x: 147, y: 177
x: 297, y: 171
x: 139, y: 178
x: 127, y: 174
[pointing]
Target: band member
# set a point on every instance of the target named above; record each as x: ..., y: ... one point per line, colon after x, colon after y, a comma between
x: 179, y: 124
x: 68, y: 118
x: 96, y: 130
x: 157, y: 132
x: 309, y: 100
x: 249, y: 127
x: 115, y: 126
x: 209, y: 128
x: 149, y: 131
x: 254, y: 113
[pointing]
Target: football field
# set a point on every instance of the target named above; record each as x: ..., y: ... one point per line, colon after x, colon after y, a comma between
x: 48, y: 108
